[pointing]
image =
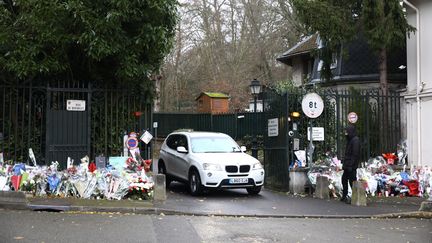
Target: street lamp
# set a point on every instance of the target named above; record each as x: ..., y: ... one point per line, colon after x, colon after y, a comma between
x: 255, y: 88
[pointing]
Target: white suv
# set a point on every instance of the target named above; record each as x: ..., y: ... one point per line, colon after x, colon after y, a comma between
x: 209, y: 160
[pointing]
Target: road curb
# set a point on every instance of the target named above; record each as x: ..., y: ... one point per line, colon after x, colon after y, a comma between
x: 18, y: 201
x: 162, y: 211
x: 415, y: 214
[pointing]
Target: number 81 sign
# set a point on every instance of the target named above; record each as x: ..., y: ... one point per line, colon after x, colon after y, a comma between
x: 312, y: 105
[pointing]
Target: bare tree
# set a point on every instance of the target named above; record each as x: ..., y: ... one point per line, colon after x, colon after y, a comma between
x: 223, y: 44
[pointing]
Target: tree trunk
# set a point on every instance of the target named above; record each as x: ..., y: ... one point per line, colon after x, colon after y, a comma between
x: 384, y: 90
x: 383, y: 71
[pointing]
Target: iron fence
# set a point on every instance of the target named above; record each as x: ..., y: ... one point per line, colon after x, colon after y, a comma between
x: 34, y: 115
x: 379, y: 127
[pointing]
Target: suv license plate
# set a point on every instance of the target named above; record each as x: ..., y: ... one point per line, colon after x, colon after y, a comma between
x: 238, y: 180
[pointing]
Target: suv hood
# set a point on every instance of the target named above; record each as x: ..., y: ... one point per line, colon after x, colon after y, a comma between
x: 225, y: 158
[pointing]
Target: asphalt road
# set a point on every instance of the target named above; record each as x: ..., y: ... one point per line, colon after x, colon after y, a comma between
x: 238, y: 202
x: 28, y: 226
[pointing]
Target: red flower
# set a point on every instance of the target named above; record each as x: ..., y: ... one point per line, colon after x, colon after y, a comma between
x: 92, y: 167
x: 138, y: 113
x: 390, y: 157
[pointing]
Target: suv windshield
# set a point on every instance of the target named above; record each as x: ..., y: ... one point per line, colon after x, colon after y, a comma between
x: 214, y: 145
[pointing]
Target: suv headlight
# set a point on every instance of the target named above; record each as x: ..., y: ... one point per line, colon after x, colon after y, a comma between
x: 210, y: 166
x: 257, y: 166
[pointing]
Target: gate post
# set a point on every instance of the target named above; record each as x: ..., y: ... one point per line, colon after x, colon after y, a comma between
x: 89, y: 95
x: 48, y: 125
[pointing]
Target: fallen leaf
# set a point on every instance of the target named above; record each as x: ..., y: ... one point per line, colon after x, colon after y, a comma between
x: 18, y: 238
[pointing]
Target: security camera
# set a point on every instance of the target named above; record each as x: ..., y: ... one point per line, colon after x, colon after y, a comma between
x: 290, y: 133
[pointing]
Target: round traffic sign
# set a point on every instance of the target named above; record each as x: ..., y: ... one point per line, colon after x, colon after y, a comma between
x: 312, y: 105
x: 132, y: 143
x: 352, y: 117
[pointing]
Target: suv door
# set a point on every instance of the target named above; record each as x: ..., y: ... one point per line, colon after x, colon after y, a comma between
x: 169, y: 154
x: 182, y: 159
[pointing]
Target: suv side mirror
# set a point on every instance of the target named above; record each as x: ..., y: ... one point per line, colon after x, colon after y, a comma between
x: 181, y: 149
x: 243, y: 148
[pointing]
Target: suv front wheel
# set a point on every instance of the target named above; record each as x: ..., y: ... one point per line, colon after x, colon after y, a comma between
x: 253, y: 190
x: 195, y: 187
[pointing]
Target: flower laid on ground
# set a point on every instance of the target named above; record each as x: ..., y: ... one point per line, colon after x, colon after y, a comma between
x: 390, y: 158
x: 140, y: 189
x: 84, y: 181
x: 29, y: 186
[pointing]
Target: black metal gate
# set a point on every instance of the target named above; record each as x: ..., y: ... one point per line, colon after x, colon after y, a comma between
x: 69, y: 133
x: 34, y: 115
x: 378, y: 126
x: 276, y: 152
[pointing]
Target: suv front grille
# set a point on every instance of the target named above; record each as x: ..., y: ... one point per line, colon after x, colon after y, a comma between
x: 235, y: 169
x: 244, y: 168
x: 231, y: 168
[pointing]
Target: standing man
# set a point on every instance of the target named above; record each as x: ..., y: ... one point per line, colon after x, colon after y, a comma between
x: 350, y: 161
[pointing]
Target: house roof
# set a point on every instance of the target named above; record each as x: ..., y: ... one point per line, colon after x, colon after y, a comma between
x: 303, y: 47
x: 213, y: 95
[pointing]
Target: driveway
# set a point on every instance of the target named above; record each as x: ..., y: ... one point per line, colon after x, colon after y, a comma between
x: 270, y: 203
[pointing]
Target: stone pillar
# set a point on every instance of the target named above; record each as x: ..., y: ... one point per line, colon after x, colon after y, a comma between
x: 159, y: 193
x: 13, y: 200
x: 298, y: 180
x: 358, y: 197
x: 426, y: 206
x: 322, y: 190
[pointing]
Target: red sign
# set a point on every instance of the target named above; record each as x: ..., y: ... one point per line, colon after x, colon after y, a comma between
x: 132, y: 143
x: 352, y: 117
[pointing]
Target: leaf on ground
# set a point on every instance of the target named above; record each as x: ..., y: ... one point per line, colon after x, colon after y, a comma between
x: 18, y: 238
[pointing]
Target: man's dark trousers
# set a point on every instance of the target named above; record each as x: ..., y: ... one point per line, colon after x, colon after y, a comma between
x: 349, y: 175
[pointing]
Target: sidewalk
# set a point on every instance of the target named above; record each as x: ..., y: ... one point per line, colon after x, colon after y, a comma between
x: 227, y: 203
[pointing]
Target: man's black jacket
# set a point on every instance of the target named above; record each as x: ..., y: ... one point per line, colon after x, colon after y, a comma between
x: 352, y: 150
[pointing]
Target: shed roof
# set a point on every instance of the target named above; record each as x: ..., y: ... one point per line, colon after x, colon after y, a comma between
x: 213, y: 95
x: 305, y: 46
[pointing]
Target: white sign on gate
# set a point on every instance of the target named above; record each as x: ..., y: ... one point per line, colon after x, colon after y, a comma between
x: 75, y: 105
x: 352, y: 117
x: 312, y: 105
x: 146, y: 137
x: 273, y: 127
x: 317, y: 133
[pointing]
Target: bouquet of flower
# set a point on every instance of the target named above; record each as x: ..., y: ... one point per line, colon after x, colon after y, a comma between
x: 132, y: 164
x: 140, y: 189
x: 390, y: 158
x: 29, y: 186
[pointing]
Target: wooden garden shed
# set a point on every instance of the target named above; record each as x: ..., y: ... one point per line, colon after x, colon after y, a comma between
x: 212, y: 102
